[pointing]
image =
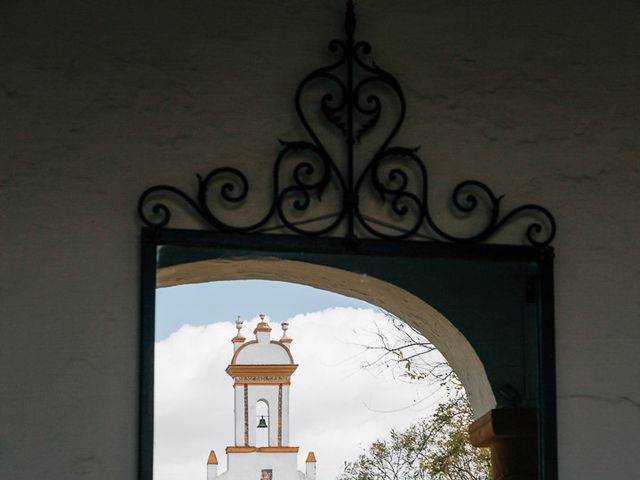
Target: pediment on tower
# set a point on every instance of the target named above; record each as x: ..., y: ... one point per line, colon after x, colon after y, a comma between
x: 255, y: 352
x: 261, y: 361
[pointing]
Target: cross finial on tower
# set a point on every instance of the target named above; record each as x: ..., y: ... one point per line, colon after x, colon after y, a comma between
x: 350, y: 20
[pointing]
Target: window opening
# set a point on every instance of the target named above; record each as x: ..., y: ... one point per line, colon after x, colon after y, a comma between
x: 263, y: 424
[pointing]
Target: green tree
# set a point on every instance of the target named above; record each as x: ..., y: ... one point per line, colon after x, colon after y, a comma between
x: 436, y: 447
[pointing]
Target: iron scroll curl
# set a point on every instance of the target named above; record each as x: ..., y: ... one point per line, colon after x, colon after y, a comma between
x: 305, y: 170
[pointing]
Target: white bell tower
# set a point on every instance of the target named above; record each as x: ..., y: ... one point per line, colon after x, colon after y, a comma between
x: 261, y: 370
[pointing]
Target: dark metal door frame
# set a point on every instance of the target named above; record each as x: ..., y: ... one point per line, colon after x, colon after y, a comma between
x: 207, y: 243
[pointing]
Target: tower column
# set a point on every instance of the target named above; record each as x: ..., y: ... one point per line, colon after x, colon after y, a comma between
x: 284, y: 419
x: 273, y: 421
x: 251, y: 421
x: 239, y: 416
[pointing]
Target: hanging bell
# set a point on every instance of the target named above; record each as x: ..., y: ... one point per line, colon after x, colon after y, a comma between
x: 262, y: 423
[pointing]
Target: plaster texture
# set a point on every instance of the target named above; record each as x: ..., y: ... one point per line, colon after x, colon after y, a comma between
x: 99, y: 100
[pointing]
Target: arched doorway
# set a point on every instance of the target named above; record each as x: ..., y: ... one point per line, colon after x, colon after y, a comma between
x: 485, y: 311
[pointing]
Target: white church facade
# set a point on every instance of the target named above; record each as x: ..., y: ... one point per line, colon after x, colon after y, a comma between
x: 261, y: 370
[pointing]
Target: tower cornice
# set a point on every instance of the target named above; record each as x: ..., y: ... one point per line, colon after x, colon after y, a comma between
x: 283, y: 371
x: 249, y: 449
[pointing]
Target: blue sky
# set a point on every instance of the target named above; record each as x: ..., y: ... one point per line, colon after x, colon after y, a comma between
x: 205, y: 303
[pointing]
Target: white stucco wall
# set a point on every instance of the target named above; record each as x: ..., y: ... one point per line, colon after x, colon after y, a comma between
x: 245, y: 465
x: 99, y: 100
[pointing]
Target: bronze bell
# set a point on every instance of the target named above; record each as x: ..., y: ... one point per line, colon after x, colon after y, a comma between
x: 262, y: 423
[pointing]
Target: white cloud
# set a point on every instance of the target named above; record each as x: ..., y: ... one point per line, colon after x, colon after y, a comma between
x: 337, y: 407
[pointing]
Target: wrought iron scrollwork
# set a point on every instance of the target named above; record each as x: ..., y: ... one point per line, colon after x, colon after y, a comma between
x: 397, y: 175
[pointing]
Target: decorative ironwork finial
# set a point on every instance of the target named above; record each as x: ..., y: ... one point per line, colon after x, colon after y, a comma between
x: 382, y: 195
x: 350, y: 19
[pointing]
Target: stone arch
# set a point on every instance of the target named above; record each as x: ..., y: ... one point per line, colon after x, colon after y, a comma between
x: 432, y: 324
